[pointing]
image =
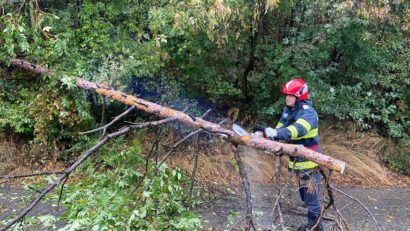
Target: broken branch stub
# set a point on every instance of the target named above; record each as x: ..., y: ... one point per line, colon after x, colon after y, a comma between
x: 197, y: 122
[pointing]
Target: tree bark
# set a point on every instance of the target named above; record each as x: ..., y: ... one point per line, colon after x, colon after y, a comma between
x: 31, y: 67
x: 32, y: 13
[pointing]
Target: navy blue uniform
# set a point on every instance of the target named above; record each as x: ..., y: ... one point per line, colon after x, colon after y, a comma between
x: 300, y: 126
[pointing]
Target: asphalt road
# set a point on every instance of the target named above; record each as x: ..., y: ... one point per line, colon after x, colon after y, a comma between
x: 390, y: 206
x: 13, y: 200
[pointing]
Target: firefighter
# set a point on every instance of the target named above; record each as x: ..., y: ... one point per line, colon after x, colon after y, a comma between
x: 299, y: 125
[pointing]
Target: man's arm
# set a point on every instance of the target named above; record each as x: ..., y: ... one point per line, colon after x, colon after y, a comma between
x: 272, y: 133
x: 304, y: 127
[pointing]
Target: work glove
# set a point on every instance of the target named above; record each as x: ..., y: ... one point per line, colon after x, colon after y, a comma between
x: 257, y: 134
x: 271, y: 133
x: 259, y: 128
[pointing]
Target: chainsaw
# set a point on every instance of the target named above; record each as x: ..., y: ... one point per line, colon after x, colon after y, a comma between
x: 258, y: 130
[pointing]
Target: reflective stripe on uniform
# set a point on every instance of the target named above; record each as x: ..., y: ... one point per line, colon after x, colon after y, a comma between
x: 312, y: 133
x: 279, y: 125
x: 302, y: 165
x: 304, y: 124
x: 293, y: 131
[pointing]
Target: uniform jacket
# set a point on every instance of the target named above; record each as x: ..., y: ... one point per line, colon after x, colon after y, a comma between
x: 299, y: 126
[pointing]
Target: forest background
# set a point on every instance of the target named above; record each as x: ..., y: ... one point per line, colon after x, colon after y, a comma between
x: 355, y: 56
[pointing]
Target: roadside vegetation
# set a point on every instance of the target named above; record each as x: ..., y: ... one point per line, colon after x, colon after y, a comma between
x: 106, y: 197
x: 355, y: 56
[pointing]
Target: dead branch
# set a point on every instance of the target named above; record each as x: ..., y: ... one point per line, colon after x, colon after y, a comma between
x: 62, y: 177
x: 331, y: 199
x: 196, y: 154
x: 346, y: 205
x: 173, y: 147
x: 236, y: 223
x: 206, y: 113
x: 77, y: 163
x: 31, y: 175
x: 104, y: 128
x: 61, y: 190
x: 153, y: 149
x: 281, y: 221
x: 246, y: 187
x: 277, y: 168
x: 360, y: 203
x: 342, y: 220
x: 329, y: 190
x: 303, y: 214
x: 275, y: 205
x: 35, y: 190
x: 277, y: 178
x: 103, y: 116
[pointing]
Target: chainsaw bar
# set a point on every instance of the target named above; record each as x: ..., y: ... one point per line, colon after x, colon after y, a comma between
x: 239, y: 130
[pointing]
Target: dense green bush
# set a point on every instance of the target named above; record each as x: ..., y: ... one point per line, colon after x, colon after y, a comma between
x: 399, y: 163
x: 103, y: 198
x: 355, y: 57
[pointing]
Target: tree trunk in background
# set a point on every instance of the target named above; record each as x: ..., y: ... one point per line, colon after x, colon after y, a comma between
x: 32, y: 12
x: 251, y: 65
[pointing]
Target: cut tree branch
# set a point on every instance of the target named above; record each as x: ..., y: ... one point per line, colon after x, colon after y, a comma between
x: 246, y: 187
x: 360, y: 203
x: 196, y: 122
x: 173, y: 147
x: 104, y: 128
x: 62, y: 177
x: 77, y: 163
x: 196, y: 154
x: 30, y: 175
x: 277, y: 179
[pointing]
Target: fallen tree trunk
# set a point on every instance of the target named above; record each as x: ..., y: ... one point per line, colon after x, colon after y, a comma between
x: 197, y: 122
x: 31, y: 67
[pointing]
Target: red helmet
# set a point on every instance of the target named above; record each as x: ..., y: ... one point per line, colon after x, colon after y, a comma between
x: 296, y: 87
